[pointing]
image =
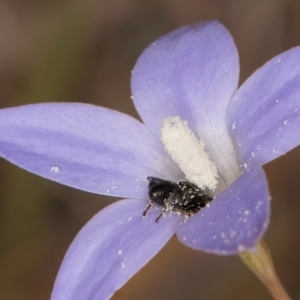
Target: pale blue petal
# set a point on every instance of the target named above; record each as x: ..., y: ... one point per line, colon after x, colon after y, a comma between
x: 114, y: 245
x: 193, y: 73
x: 235, y: 220
x: 264, y: 118
x: 84, y: 146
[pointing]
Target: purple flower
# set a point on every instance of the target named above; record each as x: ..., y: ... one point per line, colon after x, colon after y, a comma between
x: 190, y: 75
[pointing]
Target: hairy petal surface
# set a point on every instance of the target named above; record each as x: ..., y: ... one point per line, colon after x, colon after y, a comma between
x: 235, y: 220
x: 84, y: 146
x: 191, y: 73
x: 264, y: 117
x: 114, y: 245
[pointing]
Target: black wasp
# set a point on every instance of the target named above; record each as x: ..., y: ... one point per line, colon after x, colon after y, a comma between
x: 183, y: 196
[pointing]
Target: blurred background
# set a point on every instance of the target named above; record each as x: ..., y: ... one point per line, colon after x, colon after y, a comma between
x: 83, y: 51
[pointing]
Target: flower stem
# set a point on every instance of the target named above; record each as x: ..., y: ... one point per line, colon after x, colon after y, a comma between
x: 260, y: 263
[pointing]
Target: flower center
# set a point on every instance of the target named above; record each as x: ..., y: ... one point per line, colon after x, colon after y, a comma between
x: 188, y: 152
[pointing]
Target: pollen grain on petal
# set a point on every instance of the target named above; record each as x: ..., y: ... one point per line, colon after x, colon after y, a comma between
x: 54, y: 169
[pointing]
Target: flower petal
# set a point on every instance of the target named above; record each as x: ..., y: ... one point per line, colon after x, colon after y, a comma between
x: 84, y: 146
x: 191, y: 73
x: 235, y: 220
x: 264, y: 117
x: 114, y: 245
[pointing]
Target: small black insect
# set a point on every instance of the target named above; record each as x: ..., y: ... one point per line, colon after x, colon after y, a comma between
x: 183, y: 196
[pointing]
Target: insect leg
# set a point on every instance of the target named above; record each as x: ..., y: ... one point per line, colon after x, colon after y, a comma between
x: 147, y: 209
x: 162, y: 214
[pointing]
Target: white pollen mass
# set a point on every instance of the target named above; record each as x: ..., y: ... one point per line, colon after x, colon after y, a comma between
x: 188, y: 152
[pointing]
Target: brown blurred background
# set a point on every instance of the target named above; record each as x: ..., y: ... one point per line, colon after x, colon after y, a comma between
x: 75, y: 50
